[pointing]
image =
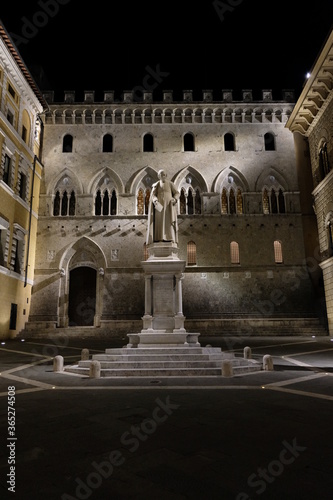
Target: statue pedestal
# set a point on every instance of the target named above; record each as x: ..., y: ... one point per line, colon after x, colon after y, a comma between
x: 163, y: 320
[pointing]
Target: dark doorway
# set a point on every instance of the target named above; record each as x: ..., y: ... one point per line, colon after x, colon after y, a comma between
x: 13, y: 317
x: 82, y: 296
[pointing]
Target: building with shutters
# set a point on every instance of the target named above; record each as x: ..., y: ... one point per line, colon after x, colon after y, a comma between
x: 20, y: 175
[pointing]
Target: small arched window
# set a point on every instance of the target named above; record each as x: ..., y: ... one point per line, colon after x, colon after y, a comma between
x: 191, y: 253
x: 107, y: 143
x: 189, y: 142
x: 278, y: 252
x: 67, y: 144
x: 229, y: 142
x: 148, y: 143
x: 234, y: 252
x: 269, y: 142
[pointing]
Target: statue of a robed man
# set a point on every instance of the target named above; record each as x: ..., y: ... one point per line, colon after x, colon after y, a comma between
x: 162, y: 212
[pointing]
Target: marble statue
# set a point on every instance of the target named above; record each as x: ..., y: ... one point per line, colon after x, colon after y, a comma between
x: 162, y: 213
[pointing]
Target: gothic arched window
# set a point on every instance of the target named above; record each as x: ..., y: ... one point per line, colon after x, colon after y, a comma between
x: 190, y: 201
x: 64, y: 203
x: 106, y: 202
x: 273, y: 201
x: 231, y: 201
x: 142, y: 201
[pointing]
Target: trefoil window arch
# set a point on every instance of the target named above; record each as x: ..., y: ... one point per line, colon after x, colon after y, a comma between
x: 274, y: 201
x: 64, y: 203
x: 143, y: 197
x: 190, y: 201
x: 106, y: 202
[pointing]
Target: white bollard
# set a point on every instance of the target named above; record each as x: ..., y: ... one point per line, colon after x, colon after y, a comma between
x: 227, y: 369
x: 84, y: 354
x: 247, y: 353
x: 58, y: 364
x: 267, y: 362
x: 95, y: 369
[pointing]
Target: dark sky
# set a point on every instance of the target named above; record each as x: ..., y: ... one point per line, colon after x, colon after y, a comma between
x: 183, y: 44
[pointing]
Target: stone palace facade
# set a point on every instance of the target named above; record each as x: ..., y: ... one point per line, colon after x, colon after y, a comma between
x: 254, y: 212
x: 241, y: 225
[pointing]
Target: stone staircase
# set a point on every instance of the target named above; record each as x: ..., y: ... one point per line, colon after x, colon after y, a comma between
x: 164, y: 362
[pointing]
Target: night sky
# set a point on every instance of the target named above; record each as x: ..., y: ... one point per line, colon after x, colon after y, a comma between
x: 178, y: 45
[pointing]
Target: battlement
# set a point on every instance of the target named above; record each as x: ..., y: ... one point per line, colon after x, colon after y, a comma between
x: 169, y: 96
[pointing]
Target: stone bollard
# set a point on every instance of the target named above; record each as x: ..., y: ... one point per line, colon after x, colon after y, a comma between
x: 227, y: 369
x: 95, y: 369
x: 84, y: 354
x: 58, y: 364
x: 267, y: 361
x: 247, y: 353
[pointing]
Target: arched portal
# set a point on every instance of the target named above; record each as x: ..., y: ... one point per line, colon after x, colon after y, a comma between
x: 81, y: 289
x: 82, y: 296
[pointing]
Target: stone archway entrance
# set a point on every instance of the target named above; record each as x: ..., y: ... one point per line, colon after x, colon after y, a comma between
x: 82, y: 296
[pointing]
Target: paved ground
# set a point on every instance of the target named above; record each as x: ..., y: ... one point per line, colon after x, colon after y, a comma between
x: 266, y: 435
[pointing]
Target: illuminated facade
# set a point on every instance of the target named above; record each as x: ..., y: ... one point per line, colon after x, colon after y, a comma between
x: 73, y: 223
x: 241, y: 225
x: 312, y: 125
x: 20, y: 177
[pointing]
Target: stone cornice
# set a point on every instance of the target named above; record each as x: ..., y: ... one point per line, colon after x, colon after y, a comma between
x: 317, y: 93
x: 172, y: 112
x: 19, y: 72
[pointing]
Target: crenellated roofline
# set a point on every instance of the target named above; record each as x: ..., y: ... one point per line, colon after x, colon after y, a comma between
x: 147, y: 97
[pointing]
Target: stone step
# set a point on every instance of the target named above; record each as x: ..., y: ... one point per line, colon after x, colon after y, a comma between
x: 114, y: 365
x: 153, y: 357
x: 151, y: 372
x: 165, y: 351
x: 167, y: 372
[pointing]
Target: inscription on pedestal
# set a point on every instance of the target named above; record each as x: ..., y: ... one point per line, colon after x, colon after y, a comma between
x: 163, y: 302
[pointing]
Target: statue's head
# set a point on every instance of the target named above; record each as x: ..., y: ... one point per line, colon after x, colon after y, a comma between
x: 161, y: 174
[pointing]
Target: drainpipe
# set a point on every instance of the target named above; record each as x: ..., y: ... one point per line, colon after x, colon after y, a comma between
x: 30, y: 216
